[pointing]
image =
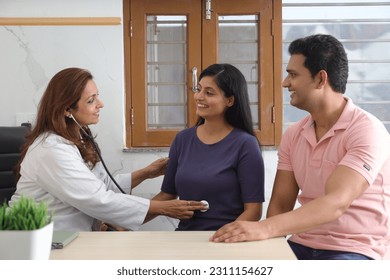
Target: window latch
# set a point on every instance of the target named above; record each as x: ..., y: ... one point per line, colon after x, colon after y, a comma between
x: 194, y: 80
x: 208, y: 9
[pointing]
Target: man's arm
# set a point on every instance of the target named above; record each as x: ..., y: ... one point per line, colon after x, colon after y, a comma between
x: 284, y: 193
x: 342, y: 188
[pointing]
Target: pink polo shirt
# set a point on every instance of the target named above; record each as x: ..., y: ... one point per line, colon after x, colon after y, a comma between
x: 360, y: 141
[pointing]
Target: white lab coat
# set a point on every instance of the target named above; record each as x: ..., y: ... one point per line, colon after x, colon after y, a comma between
x: 53, y: 171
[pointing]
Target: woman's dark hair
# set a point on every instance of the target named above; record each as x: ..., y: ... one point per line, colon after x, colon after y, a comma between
x: 324, y: 52
x: 232, y: 82
x: 62, y: 93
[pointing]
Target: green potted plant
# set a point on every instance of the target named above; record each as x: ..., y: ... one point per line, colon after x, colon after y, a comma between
x: 26, y: 230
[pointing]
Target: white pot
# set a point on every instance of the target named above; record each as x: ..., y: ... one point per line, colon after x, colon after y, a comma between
x: 26, y: 245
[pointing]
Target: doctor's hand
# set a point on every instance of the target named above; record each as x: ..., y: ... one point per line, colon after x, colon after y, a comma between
x: 155, y: 169
x: 178, y: 209
x: 240, y: 231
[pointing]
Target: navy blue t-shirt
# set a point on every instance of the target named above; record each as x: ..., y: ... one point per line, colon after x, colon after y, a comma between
x: 227, y: 174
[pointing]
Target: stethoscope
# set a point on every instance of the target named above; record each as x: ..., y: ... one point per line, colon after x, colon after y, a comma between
x: 90, y: 138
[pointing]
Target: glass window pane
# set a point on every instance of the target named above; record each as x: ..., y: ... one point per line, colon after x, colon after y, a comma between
x: 255, y: 115
x: 166, y: 71
x: 368, y: 50
x: 379, y: 110
x: 250, y: 71
x: 238, y: 44
x: 327, y: 11
x: 229, y: 51
x: 166, y: 117
x: 167, y: 94
x: 253, y: 91
x: 360, y: 92
x: 351, y: 30
x: 369, y: 71
x: 232, y: 27
x: 168, y: 52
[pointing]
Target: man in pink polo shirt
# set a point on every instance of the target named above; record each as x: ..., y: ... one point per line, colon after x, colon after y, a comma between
x: 335, y: 162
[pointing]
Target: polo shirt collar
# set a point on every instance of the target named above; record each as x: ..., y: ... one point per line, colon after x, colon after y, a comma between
x: 342, y: 123
x: 346, y: 116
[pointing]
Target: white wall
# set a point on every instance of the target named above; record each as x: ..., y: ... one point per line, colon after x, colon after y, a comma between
x: 31, y: 55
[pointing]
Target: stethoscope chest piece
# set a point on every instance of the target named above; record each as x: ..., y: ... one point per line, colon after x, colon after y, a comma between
x: 205, y: 203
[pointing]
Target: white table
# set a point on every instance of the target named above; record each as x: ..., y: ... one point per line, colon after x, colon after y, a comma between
x: 168, y: 245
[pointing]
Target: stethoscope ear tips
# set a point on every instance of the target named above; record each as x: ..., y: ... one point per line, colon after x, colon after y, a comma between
x: 205, y: 203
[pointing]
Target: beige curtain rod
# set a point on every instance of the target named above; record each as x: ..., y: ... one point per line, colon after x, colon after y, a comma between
x: 60, y: 20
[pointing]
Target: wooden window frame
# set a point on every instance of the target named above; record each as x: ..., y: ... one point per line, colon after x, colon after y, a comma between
x: 270, y: 113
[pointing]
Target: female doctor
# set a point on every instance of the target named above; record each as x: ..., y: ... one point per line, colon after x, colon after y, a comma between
x: 61, y: 166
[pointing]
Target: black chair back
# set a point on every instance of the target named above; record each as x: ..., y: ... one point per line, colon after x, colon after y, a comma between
x: 11, y: 140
